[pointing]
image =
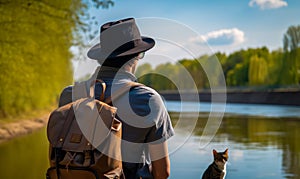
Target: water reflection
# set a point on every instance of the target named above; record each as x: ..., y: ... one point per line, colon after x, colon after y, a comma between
x: 259, y: 147
x: 24, y: 157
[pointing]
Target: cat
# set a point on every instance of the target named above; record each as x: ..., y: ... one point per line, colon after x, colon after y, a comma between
x: 217, y: 170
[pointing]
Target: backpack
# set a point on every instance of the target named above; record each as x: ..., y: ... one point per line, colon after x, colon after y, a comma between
x: 85, y: 138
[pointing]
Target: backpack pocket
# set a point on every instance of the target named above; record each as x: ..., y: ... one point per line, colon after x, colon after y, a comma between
x: 71, y: 173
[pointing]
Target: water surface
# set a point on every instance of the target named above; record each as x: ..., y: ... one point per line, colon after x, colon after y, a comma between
x: 235, y: 109
x: 260, y: 146
x: 25, y: 157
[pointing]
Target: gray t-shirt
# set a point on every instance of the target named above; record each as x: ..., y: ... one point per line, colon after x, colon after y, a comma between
x: 143, y: 114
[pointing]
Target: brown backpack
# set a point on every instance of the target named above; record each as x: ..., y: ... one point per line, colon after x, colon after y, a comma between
x: 84, y: 145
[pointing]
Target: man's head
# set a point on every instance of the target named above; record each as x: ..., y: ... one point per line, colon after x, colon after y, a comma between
x: 120, y: 42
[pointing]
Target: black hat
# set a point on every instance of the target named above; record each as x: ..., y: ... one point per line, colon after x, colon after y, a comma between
x: 118, y: 39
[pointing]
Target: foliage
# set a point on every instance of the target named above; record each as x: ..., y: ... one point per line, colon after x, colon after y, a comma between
x: 35, y: 41
x: 291, y: 39
x: 253, y: 67
x: 85, y: 24
x: 291, y: 46
x: 143, y: 73
x: 257, y: 71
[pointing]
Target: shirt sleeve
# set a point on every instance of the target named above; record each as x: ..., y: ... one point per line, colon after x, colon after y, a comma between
x: 65, y: 96
x: 148, y: 103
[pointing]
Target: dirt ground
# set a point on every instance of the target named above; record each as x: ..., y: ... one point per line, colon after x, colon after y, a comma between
x: 22, y: 127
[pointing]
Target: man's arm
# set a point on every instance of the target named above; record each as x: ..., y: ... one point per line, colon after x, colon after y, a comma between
x: 160, y: 160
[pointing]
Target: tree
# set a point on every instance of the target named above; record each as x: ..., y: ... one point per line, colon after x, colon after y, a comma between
x: 251, y: 67
x: 238, y: 76
x: 143, y: 73
x: 164, y: 77
x: 196, y: 72
x: 35, y: 41
x: 86, y: 26
x: 275, y: 63
x: 291, y: 39
x: 291, y: 46
x: 258, y: 71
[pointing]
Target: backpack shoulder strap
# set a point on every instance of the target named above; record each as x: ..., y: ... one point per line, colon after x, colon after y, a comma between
x: 103, y: 89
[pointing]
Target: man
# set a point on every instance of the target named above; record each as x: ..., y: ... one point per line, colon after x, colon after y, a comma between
x: 146, y: 124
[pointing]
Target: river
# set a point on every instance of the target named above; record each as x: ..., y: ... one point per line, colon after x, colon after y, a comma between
x: 263, y: 142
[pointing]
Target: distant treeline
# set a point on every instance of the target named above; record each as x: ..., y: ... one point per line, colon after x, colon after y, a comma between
x: 244, y: 68
x: 35, y: 57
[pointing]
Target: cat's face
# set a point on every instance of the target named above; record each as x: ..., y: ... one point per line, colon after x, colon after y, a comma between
x: 221, y: 158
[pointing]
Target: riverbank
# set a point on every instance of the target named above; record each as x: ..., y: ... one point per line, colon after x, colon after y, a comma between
x: 12, y: 129
x: 271, y: 97
x: 23, y: 125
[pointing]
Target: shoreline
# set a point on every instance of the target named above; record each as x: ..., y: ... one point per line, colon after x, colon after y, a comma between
x: 275, y: 97
x: 11, y: 130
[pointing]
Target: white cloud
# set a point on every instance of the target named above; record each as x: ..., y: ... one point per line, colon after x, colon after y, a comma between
x: 221, y: 37
x: 268, y: 4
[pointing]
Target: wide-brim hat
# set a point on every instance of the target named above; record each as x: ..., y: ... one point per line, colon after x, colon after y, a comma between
x: 120, y: 38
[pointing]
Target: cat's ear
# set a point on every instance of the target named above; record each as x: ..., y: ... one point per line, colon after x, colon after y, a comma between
x: 226, y: 151
x: 215, y: 152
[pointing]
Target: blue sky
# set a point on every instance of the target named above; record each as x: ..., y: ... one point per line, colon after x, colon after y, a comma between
x: 226, y: 25
x: 263, y: 22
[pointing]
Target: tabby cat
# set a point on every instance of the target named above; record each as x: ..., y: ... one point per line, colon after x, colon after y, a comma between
x: 217, y: 170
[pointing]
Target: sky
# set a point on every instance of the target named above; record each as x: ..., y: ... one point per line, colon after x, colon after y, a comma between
x: 222, y: 25
x: 242, y: 23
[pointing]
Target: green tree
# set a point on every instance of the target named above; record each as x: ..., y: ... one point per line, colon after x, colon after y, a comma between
x: 250, y: 67
x: 258, y: 71
x: 231, y: 61
x: 238, y: 76
x: 196, y: 72
x: 236, y: 69
x: 164, y: 76
x: 35, y: 41
x: 291, y: 39
x: 275, y: 63
x: 143, y: 74
x: 291, y: 45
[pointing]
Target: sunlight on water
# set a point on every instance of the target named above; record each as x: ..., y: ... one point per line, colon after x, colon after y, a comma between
x: 238, y: 109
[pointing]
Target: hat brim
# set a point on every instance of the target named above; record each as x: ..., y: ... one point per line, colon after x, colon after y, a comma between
x: 96, y: 52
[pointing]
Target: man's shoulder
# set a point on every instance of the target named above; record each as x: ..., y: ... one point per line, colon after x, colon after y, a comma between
x: 65, y: 96
x: 142, y: 97
x: 67, y: 89
x: 143, y: 91
x: 139, y: 88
